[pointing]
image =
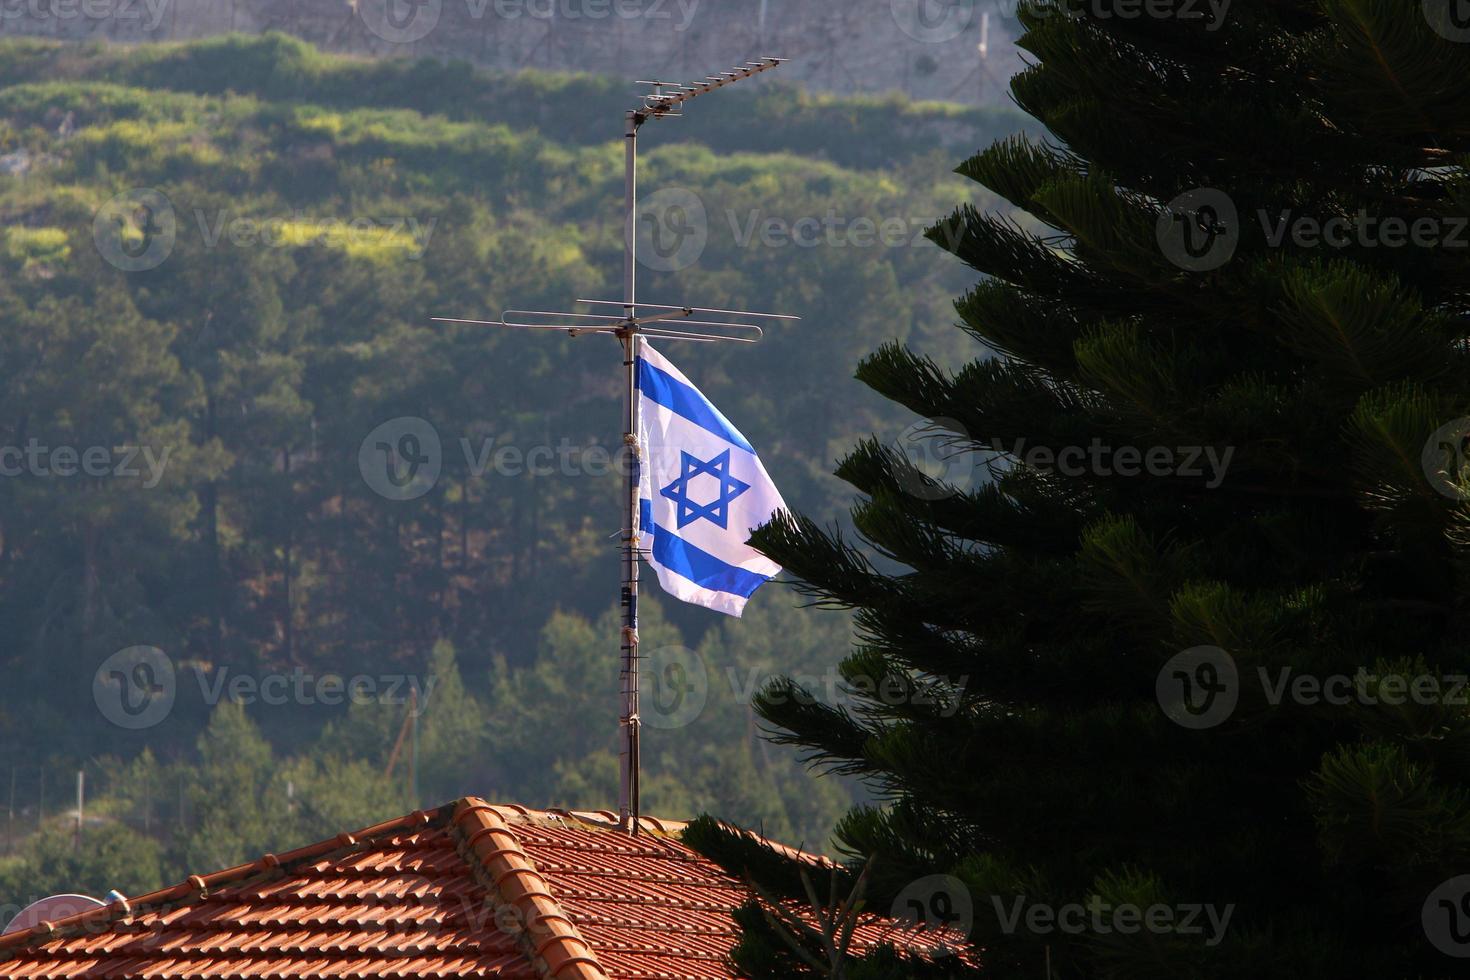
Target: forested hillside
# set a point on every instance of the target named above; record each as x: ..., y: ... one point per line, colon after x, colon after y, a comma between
x: 187, y: 444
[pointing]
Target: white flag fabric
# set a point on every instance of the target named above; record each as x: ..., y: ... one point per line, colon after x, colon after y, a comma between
x: 702, y: 490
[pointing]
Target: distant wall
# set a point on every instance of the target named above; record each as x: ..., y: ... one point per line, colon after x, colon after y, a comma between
x: 927, y: 48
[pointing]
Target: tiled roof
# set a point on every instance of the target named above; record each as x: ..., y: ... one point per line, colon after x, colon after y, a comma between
x: 467, y: 890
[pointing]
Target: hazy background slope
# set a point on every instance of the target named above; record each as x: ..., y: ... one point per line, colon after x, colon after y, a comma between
x: 951, y: 50
x: 316, y: 212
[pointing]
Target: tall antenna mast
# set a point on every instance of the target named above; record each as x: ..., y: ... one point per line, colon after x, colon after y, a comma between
x: 687, y: 323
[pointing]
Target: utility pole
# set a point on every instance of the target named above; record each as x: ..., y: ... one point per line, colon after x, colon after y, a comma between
x: 413, y: 744
x: 81, y: 804
x: 408, y: 731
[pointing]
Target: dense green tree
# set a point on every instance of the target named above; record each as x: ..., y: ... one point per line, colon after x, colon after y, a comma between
x: 242, y: 800
x: 239, y: 804
x: 232, y: 336
x: 95, y: 472
x: 1065, y: 641
x: 774, y: 637
x: 109, y: 857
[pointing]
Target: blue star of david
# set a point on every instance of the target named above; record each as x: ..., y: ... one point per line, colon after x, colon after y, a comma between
x: 717, y: 512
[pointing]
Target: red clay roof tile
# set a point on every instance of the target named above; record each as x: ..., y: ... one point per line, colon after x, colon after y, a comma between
x: 467, y: 890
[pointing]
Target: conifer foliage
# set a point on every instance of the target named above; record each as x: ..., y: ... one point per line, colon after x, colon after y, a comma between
x: 1174, y: 691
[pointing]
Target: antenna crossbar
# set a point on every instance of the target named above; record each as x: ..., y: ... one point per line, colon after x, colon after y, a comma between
x: 702, y: 338
x: 694, y: 309
x: 653, y: 324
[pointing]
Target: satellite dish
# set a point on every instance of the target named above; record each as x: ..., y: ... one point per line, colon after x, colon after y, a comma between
x: 51, y: 909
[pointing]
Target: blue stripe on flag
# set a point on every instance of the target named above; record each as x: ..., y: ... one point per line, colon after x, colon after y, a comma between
x: 664, y: 389
x: 696, y: 564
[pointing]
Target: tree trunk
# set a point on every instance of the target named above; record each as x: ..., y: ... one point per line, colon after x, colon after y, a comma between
x: 289, y: 633
x: 90, y: 580
x: 209, y: 500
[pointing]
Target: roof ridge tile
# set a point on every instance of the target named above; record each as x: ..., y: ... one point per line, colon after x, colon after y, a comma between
x: 559, y: 952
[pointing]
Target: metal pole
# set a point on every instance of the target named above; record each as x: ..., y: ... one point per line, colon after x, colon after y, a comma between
x: 628, y: 721
x: 630, y: 214
x: 630, y: 329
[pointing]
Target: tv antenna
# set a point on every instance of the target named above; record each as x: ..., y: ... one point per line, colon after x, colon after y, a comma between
x: 634, y: 322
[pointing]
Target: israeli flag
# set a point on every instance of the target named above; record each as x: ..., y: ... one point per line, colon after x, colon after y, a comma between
x: 702, y: 490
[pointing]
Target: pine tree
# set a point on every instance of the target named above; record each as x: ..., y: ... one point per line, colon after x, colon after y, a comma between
x: 1084, y: 653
